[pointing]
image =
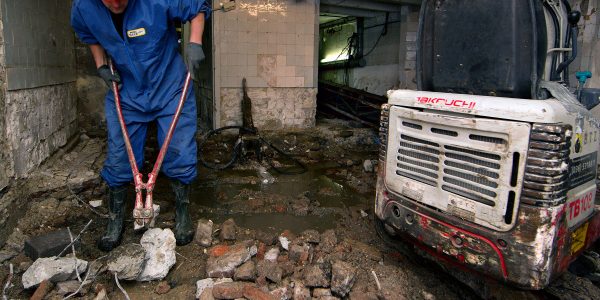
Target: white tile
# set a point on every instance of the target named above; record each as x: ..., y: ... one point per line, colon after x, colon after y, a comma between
x: 281, y: 39
x: 240, y: 60
x: 289, y: 71
x: 252, y: 60
x: 252, y: 71
x: 271, y: 49
x: 264, y: 26
x: 309, y: 80
x: 262, y: 38
x: 291, y: 50
x: 262, y: 48
x: 289, y: 27
x: 281, y: 60
x: 239, y: 70
x: 309, y: 61
x: 280, y: 27
x: 226, y: 71
x: 272, y: 38
x: 281, y: 49
x: 252, y: 49
x: 259, y: 82
x: 290, y: 39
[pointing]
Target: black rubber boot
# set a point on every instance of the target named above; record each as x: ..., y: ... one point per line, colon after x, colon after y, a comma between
x: 114, y: 230
x: 184, y: 229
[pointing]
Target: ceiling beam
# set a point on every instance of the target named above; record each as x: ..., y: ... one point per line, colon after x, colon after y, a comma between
x: 364, y: 5
x: 412, y: 2
x: 349, y: 11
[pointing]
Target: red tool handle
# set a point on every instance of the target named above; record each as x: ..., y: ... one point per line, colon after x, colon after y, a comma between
x: 163, y: 150
x: 143, y: 212
x: 137, y: 177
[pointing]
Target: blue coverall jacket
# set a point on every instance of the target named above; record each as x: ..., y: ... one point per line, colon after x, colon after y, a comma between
x: 152, y: 72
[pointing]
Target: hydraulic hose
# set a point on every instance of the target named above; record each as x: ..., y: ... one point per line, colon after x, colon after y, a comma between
x: 553, y: 72
x: 565, y: 64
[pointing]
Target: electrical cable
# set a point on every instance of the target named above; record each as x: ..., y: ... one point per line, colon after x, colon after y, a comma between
x: 383, y: 32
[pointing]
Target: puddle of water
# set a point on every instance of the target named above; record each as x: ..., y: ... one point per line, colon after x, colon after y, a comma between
x: 229, y: 184
x: 215, y: 191
x: 276, y: 222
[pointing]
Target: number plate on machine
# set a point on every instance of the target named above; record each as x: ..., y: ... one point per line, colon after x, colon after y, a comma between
x: 580, y: 206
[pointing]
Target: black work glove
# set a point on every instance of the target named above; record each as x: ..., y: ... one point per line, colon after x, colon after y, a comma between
x: 109, y: 77
x: 194, y: 55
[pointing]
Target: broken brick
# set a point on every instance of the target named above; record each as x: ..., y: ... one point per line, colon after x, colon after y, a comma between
x: 43, y: 289
x: 229, y: 290
x: 262, y: 248
x: 254, y: 293
x: 218, y: 250
x: 162, y: 288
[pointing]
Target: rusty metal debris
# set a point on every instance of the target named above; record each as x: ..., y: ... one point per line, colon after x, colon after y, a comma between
x: 335, y: 100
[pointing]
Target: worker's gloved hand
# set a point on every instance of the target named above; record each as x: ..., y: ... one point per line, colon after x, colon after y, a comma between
x: 194, y: 55
x: 109, y: 77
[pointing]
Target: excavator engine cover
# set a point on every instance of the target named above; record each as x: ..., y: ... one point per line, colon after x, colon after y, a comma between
x: 483, y: 47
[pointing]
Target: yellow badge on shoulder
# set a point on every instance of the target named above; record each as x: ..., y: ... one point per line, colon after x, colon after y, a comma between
x: 136, y: 32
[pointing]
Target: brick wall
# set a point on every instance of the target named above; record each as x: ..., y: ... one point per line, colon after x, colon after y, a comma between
x: 273, y: 45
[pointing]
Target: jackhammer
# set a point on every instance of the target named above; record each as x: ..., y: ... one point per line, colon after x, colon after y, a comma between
x: 248, y: 141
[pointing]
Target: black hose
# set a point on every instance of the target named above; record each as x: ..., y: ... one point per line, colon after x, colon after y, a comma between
x: 235, y: 155
x: 566, y: 57
x: 556, y: 40
x: 302, y: 170
x: 565, y: 64
x: 567, y: 6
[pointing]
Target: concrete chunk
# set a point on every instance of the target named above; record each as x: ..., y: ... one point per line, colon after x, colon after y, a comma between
x: 204, y: 230
x: 342, y: 278
x: 127, y: 261
x: 160, y: 254
x: 52, y: 269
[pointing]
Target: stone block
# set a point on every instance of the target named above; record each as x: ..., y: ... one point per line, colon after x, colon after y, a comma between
x: 49, y: 244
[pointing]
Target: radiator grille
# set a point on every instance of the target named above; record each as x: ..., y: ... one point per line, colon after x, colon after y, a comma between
x: 457, y: 163
x: 546, y: 173
x: 383, y: 132
x: 473, y: 174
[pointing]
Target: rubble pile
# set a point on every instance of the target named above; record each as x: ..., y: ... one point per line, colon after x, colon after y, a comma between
x: 308, y: 266
x: 331, y: 250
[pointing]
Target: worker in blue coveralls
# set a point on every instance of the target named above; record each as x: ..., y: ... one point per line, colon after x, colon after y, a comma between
x: 140, y: 37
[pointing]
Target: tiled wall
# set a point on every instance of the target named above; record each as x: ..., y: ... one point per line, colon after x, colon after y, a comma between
x: 38, y: 109
x: 272, y: 43
x: 39, y: 47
